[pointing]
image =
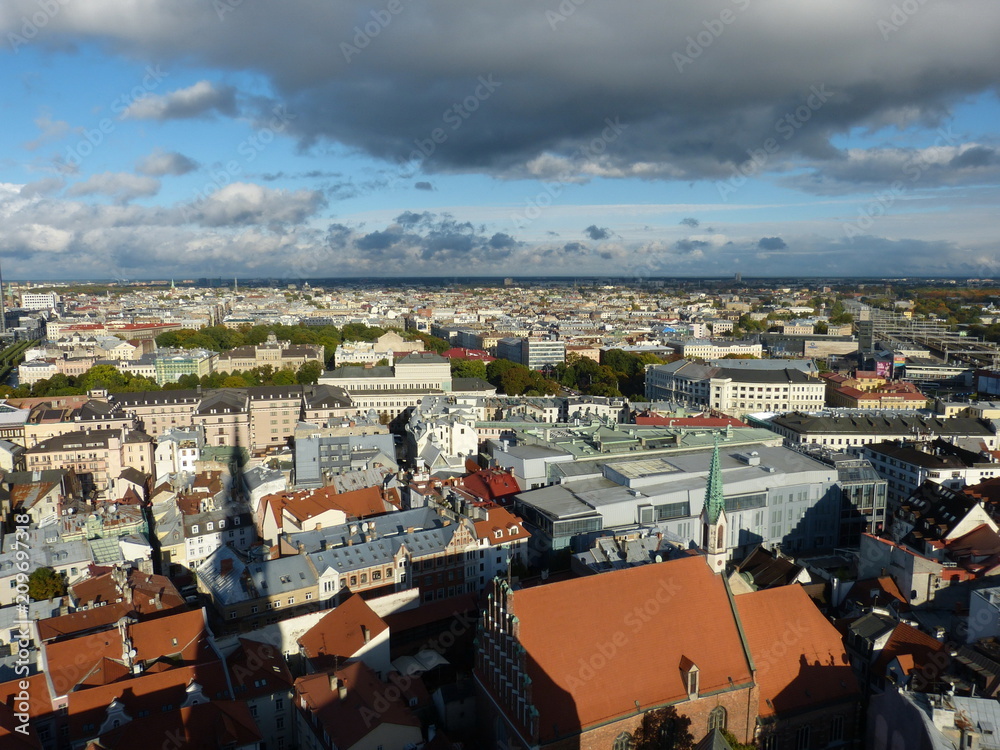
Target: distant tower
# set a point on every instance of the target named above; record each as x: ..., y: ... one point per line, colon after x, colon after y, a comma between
x: 236, y: 287
x: 739, y: 277
x: 714, y: 524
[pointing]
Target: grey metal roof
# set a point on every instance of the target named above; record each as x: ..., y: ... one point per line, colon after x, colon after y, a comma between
x: 253, y: 580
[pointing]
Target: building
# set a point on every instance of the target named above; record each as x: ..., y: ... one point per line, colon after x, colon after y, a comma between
x: 549, y: 674
x: 700, y: 348
x: 772, y: 495
x: 281, y: 355
x: 388, y: 346
x: 97, y: 457
x: 39, y: 300
x: 172, y: 363
x: 851, y: 432
x: 735, y: 391
x: 321, y: 452
x: 533, y: 353
x: 907, y: 465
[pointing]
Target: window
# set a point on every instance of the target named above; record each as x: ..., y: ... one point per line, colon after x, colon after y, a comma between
x: 837, y: 729
x: 717, y: 718
x: 802, y: 739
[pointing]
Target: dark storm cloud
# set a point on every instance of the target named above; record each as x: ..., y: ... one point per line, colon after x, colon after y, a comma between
x: 486, y: 87
x: 690, y: 246
x: 771, y: 243
x: 597, y: 233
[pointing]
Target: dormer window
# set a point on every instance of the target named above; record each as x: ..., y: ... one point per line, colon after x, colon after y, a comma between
x: 498, y: 534
x: 194, y: 529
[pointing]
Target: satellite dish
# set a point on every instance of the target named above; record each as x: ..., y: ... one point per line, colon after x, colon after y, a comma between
x: 658, y: 558
x: 131, y: 653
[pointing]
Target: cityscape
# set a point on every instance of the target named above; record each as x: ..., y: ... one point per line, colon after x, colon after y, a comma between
x: 549, y: 375
x: 316, y: 515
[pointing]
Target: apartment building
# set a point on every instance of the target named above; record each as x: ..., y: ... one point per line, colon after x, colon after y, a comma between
x: 736, y: 391
x: 98, y: 457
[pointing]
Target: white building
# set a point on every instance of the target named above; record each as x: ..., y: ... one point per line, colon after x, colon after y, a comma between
x: 736, y: 391
x: 39, y: 301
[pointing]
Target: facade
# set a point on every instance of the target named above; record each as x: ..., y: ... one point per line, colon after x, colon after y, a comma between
x: 281, y: 355
x: 735, y: 391
x: 324, y: 451
x: 172, y: 363
x: 906, y: 466
x: 533, y: 353
x: 388, y: 346
x: 716, y: 348
x: 851, y: 432
x: 772, y: 495
x: 98, y: 457
x: 39, y: 300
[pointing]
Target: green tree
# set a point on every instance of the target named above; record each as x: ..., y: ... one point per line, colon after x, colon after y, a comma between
x: 46, y: 583
x: 309, y: 373
x: 103, y: 376
x: 234, y: 381
x: 284, y: 377
x: 663, y: 729
x: 468, y: 368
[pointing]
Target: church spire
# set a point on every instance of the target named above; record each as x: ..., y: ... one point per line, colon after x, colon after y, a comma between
x: 714, y: 502
x: 715, y: 526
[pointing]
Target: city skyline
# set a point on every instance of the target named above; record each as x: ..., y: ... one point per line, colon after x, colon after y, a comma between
x: 294, y: 141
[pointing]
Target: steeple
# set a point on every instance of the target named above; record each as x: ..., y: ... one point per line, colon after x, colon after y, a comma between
x: 714, y: 523
x: 714, y: 502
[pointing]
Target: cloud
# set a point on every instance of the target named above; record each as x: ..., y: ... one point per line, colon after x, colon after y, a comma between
x: 122, y: 186
x: 242, y: 204
x: 690, y: 222
x: 597, y: 233
x: 200, y: 100
x: 160, y: 163
x: 423, y: 186
x: 44, y: 186
x: 51, y: 130
x: 771, y: 243
x: 508, y: 105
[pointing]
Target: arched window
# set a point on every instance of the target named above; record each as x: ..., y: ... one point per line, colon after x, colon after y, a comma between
x: 717, y: 719
x: 623, y: 742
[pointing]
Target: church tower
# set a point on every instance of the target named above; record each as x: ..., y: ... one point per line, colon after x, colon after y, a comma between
x: 714, y: 525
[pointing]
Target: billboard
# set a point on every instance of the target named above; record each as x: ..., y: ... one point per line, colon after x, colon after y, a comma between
x: 882, y: 369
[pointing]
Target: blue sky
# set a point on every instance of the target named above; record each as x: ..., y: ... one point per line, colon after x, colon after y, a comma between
x: 245, y: 137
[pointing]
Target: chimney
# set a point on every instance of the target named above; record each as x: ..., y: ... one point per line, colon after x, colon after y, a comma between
x: 341, y: 689
x: 366, y: 633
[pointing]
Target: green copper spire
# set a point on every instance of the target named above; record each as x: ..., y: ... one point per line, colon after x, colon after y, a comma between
x: 714, y: 502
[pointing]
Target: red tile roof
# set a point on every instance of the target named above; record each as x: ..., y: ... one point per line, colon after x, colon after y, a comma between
x: 799, y: 655
x: 910, y: 642
x: 673, y: 610
x: 501, y: 526
x: 349, y: 719
x: 205, y: 726
x: 491, y: 484
x: 181, y: 636
x: 340, y: 634
x: 256, y: 669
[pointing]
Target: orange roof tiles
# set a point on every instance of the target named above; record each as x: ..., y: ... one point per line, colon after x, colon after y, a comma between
x: 349, y: 719
x: 340, y: 634
x: 501, y: 520
x: 799, y: 655
x: 906, y: 640
x: 669, y: 611
x: 205, y: 726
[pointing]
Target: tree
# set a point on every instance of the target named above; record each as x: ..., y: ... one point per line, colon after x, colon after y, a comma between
x: 284, y: 377
x: 234, y: 381
x: 468, y: 368
x: 663, y: 729
x: 736, y: 744
x: 45, y: 584
x: 309, y: 373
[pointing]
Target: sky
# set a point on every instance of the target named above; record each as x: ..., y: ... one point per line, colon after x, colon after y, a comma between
x: 305, y: 138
